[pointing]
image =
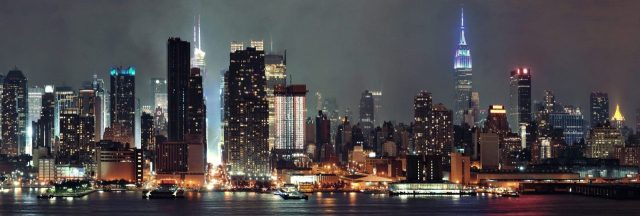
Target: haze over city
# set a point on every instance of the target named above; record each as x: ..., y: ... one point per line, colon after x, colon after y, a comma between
x: 307, y: 107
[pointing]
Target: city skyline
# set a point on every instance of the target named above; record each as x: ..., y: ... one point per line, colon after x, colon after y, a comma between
x: 319, y: 107
x: 428, y: 31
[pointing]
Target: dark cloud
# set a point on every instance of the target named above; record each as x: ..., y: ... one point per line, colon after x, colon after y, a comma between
x: 340, y: 48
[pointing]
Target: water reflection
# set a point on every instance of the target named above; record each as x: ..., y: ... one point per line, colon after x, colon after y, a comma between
x: 241, y: 203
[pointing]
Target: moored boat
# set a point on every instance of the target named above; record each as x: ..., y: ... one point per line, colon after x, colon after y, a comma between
x: 167, y: 189
x: 290, y: 191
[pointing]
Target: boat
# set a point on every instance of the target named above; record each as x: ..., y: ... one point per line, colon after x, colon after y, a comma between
x: 168, y: 189
x: 291, y: 192
x: 45, y: 196
x: 510, y: 194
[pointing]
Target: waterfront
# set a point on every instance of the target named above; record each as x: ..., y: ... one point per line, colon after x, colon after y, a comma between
x: 24, y: 201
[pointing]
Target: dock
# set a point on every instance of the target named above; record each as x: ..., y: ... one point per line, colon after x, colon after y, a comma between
x: 604, y: 190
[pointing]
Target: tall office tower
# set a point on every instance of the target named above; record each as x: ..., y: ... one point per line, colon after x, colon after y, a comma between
x: 198, y: 60
x: 367, y: 108
x: 497, y: 120
x: 196, y: 110
x: 519, y: 99
x: 220, y: 151
x: 45, y: 124
x: 102, y: 106
x: 196, y: 114
x: 463, y: 76
x: 343, y: 141
x: 571, y: 122
x: 617, y: 120
x: 87, y: 110
x: 543, y: 111
x: 324, y: 149
x: 549, y: 101
x: 160, y: 100
x: 246, y: 112
x: 422, y: 108
x: 377, y: 105
x: 290, y: 113
x: 35, y: 103
x: 441, y: 132
x: 159, y: 122
x: 177, y: 76
x: 86, y: 138
x: 602, y: 141
x: 599, y: 109
x: 35, y: 106
x: 148, y: 134
x: 88, y: 106
x: 66, y: 97
x: 275, y: 69
x: 14, y: 113
x: 472, y: 115
x: 68, y: 148
x: 123, y: 98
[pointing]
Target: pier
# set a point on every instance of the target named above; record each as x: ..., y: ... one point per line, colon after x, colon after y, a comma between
x: 609, y: 191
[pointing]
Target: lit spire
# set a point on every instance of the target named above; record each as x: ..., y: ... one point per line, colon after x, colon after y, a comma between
x: 197, y: 40
x: 463, y: 54
x: 463, y: 41
x: 617, y: 116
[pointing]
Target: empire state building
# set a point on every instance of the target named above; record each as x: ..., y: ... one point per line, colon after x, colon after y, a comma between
x: 463, y: 75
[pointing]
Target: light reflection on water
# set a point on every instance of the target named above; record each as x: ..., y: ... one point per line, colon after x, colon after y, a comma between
x: 25, y: 201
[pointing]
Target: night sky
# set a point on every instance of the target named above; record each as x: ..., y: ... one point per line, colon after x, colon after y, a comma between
x: 340, y: 48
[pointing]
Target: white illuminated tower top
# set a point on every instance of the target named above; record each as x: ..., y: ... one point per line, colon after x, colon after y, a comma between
x: 198, y: 59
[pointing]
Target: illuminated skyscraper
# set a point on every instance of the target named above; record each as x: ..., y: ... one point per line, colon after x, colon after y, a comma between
x: 497, y: 120
x: 198, y: 59
x: 377, y: 105
x: 14, y: 113
x: 367, y: 109
x: 66, y: 97
x: 122, y: 98
x: 463, y: 76
x: 519, y: 99
x: 88, y: 110
x: 159, y: 90
x: 290, y: 113
x: 599, y: 109
x: 246, y: 112
x: 422, y: 108
x: 102, y: 106
x: 571, y: 122
x: 160, y: 100
x: 68, y: 148
x: 441, y: 132
x: 617, y: 120
x: 196, y: 109
x: 35, y: 103
x: 602, y: 141
x: 35, y: 107
x: 44, y: 137
x: 275, y: 71
x: 148, y: 134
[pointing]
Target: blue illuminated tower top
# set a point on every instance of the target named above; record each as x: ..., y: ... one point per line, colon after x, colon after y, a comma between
x: 115, y: 71
x: 463, y: 54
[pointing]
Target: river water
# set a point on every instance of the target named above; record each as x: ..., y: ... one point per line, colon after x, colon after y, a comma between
x: 25, y: 202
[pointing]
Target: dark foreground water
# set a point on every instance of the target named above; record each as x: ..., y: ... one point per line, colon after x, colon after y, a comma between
x: 25, y: 202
